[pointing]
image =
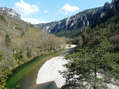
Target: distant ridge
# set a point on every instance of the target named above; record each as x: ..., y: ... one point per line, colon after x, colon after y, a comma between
x: 78, y: 22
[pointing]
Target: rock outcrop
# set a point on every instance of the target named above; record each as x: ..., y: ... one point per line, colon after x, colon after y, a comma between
x: 90, y: 17
x: 9, y: 12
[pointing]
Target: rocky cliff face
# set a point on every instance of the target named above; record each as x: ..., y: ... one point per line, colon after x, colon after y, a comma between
x: 9, y: 12
x: 90, y: 17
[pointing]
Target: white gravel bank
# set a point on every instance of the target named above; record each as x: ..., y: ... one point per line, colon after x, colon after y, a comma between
x: 50, y: 71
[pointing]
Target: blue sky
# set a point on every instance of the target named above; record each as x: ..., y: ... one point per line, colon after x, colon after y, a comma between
x: 36, y: 11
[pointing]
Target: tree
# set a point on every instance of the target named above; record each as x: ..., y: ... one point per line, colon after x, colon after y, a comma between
x: 7, y: 40
x: 89, y: 67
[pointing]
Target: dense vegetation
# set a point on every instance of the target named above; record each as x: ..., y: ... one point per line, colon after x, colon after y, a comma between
x: 95, y: 62
x: 20, y: 42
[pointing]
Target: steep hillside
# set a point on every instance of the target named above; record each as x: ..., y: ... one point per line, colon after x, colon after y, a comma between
x: 78, y: 22
x: 20, y: 42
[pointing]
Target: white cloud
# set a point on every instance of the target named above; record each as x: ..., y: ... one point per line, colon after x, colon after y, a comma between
x: 26, y: 8
x: 32, y: 20
x: 67, y: 8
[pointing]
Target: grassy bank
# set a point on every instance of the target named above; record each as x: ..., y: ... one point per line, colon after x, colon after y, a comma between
x: 27, y: 68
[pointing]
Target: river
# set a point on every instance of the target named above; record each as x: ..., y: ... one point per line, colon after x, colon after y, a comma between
x: 48, y: 76
x: 35, y: 76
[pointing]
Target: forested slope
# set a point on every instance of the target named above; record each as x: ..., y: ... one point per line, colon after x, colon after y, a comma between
x: 20, y: 42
